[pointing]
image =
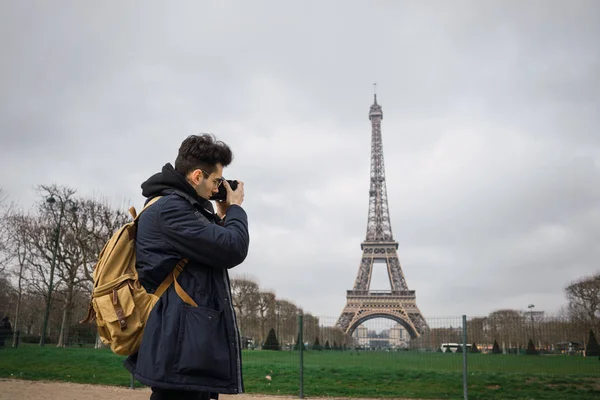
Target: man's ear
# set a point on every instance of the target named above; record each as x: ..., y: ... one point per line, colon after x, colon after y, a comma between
x: 196, y: 176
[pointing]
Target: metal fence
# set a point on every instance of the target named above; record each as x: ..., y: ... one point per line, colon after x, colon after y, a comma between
x: 302, y: 350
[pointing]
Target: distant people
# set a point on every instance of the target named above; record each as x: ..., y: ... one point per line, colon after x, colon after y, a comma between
x: 5, y: 330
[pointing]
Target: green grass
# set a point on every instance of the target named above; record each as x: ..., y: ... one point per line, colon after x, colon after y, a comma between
x: 379, y: 374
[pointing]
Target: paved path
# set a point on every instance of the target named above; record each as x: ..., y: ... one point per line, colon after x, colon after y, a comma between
x: 37, y: 390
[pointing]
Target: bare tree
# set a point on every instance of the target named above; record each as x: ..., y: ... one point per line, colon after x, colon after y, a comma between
x: 19, y: 248
x: 265, y: 307
x: 51, y: 255
x: 583, y: 296
x: 71, y: 273
x: 245, y: 294
x: 5, y: 212
x: 311, y: 328
x: 41, y: 235
x: 445, y: 335
x: 478, y: 331
x: 332, y: 334
x: 508, y: 328
x: 95, y: 223
x: 287, y: 321
x: 87, y: 230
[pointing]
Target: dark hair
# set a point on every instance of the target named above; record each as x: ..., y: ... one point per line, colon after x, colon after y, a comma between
x: 203, y: 152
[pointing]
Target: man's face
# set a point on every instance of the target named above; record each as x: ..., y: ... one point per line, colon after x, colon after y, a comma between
x: 206, y: 184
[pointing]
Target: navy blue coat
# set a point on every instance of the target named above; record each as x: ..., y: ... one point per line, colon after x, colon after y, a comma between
x: 185, y: 347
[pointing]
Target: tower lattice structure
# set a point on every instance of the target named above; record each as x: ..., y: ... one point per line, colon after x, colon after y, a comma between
x: 363, y: 304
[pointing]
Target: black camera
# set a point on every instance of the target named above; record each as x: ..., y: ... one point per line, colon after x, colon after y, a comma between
x: 222, y: 195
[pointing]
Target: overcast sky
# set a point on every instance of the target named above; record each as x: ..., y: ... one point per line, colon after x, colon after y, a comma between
x: 490, y: 131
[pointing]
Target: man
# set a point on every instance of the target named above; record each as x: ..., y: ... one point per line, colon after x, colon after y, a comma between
x: 189, y: 352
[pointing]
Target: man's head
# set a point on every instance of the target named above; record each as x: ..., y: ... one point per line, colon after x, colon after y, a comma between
x: 201, y: 160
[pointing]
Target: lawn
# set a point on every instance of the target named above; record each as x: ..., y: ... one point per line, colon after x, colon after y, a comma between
x: 366, y: 374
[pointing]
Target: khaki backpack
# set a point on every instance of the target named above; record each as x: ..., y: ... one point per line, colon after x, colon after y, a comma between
x: 120, y: 305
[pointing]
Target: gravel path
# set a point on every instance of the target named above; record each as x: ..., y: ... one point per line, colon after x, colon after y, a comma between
x: 14, y: 389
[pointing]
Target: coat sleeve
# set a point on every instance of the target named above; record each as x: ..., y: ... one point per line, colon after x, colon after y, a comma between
x: 194, y: 237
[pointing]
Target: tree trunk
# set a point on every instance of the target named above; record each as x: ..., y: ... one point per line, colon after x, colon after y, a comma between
x: 263, y: 321
x: 47, y: 303
x: 17, y: 311
x: 98, y: 344
x: 66, y: 318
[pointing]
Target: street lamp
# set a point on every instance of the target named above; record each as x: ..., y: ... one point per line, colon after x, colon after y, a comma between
x: 277, y: 311
x: 531, y: 314
x: 51, y: 200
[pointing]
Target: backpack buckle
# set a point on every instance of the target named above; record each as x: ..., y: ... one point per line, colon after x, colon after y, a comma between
x: 119, y: 311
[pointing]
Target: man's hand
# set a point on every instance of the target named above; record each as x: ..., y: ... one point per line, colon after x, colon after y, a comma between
x: 233, y: 197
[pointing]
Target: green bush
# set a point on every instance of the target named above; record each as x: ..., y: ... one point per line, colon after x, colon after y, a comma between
x: 496, y: 348
x: 271, y: 343
x: 593, y: 349
x: 317, y: 345
x: 531, y: 349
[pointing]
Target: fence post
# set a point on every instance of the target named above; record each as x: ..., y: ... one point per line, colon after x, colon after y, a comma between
x: 464, y: 349
x: 301, y: 344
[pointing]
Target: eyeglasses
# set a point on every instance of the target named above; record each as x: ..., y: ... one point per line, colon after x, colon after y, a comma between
x: 218, y: 181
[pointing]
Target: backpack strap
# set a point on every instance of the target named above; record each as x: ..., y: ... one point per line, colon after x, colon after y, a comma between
x: 194, y: 202
x: 172, y: 278
x: 135, y: 215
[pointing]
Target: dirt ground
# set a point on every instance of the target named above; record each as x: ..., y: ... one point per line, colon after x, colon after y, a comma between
x: 36, y: 390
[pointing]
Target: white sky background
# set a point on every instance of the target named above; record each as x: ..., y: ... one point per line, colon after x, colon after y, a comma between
x: 490, y: 131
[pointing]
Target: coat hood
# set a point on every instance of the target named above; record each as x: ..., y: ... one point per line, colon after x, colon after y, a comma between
x: 168, y: 181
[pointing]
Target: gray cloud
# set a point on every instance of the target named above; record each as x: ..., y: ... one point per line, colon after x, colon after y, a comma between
x: 490, y: 131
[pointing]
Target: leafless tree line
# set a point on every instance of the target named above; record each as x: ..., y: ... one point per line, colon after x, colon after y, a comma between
x: 61, y: 228
x: 512, y: 329
x: 30, y: 240
x: 260, y: 311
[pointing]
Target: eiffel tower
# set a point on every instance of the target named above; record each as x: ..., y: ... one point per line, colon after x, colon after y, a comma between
x: 362, y: 304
